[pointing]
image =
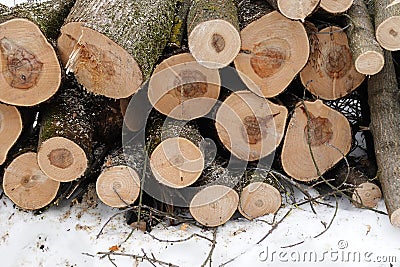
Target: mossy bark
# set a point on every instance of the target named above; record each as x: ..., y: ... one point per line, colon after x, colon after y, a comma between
x: 384, y: 102
x: 250, y: 11
x: 142, y: 28
x: 48, y: 15
x: 205, y: 10
x: 3, y: 9
x: 178, y: 32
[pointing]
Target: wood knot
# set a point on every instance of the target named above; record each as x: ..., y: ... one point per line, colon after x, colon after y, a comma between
x: 190, y: 84
x: 23, y: 69
x: 61, y: 158
x: 267, y: 60
x: 218, y: 42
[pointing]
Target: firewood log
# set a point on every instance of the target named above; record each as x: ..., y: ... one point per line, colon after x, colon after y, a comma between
x: 387, y: 24
x: 335, y: 6
x: 295, y: 9
x: 10, y: 129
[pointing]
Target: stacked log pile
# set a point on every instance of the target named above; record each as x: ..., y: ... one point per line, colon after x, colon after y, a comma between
x: 66, y: 89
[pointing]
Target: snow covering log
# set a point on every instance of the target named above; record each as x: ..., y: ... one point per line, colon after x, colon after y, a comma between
x: 213, y: 32
x: 295, y: 9
x: 317, y: 138
x: 183, y: 89
x: 384, y: 102
x: 335, y: 6
x: 330, y: 72
x: 387, y: 24
x: 274, y: 49
x: 366, y: 51
x: 112, y: 46
x: 10, y: 129
x: 249, y: 126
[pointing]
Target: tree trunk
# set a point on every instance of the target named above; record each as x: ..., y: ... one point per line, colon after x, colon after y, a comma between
x: 335, y: 6
x: 366, y: 51
x: 249, y: 126
x: 384, y: 101
x: 10, y: 129
x: 183, y: 89
x: 179, y: 30
x: 213, y: 32
x: 317, y: 138
x: 295, y: 9
x: 66, y: 136
x: 274, y: 49
x: 330, y: 72
x: 112, y: 46
x: 387, y: 24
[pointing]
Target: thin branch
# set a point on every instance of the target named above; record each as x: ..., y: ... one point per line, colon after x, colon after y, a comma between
x: 214, y: 242
x: 137, y: 257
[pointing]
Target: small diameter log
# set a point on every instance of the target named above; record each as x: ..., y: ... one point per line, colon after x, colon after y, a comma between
x: 213, y: 32
x: 274, y: 49
x: 10, y: 129
x: 26, y: 185
x: 179, y: 29
x: 29, y: 68
x: 112, y: 46
x: 317, y: 138
x: 387, y: 24
x: 66, y: 136
x: 335, y: 6
x: 361, y: 189
x: 118, y: 184
x: 295, y: 9
x: 249, y: 126
x: 214, y: 205
x: 176, y: 159
x: 330, y: 72
x: 183, y: 89
x: 384, y: 102
x: 366, y: 51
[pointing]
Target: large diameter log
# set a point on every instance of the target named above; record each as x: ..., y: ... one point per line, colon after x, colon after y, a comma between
x: 66, y: 136
x: 295, y: 9
x: 10, y: 129
x: 112, y: 46
x: 366, y: 51
x: 249, y: 126
x: 26, y: 185
x: 183, y: 89
x: 387, y: 24
x: 317, y: 138
x: 335, y: 6
x: 213, y: 32
x: 29, y: 68
x: 274, y: 50
x: 384, y: 102
x: 214, y: 205
x: 330, y: 72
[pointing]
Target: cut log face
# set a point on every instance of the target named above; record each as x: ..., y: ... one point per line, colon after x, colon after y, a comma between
x: 177, y: 162
x: 29, y: 68
x: 62, y: 159
x: 368, y: 194
x: 258, y: 199
x: 295, y: 9
x: 10, y: 129
x: 214, y: 205
x: 118, y: 186
x: 214, y: 43
x: 183, y: 89
x: 335, y: 6
x: 330, y: 72
x: 99, y: 64
x: 250, y: 126
x: 387, y: 24
x: 26, y: 185
x: 318, y: 128
x: 274, y: 50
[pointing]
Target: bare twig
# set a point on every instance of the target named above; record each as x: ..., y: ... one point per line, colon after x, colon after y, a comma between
x: 137, y: 257
x: 213, y: 243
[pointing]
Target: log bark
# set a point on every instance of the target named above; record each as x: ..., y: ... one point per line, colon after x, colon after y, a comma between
x: 252, y: 10
x: 387, y: 24
x: 335, y: 6
x: 274, y: 49
x: 3, y: 9
x: 183, y: 89
x: 112, y: 46
x: 10, y: 129
x: 366, y: 51
x: 249, y: 126
x: 213, y: 32
x: 179, y: 28
x: 296, y: 9
x: 317, y: 138
x: 384, y: 102
x: 66, y: 136
x: 330, y: 72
